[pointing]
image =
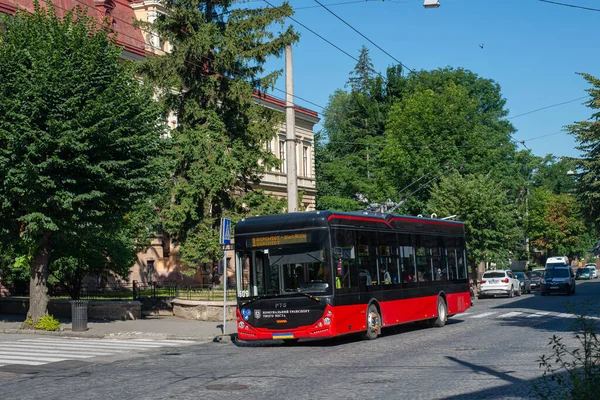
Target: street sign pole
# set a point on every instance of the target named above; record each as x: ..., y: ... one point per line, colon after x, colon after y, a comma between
x: 225, y: 241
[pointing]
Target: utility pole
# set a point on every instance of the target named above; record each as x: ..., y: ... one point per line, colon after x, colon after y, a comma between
x: 290, y: 138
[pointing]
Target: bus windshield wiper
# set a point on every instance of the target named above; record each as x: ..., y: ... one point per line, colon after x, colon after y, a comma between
x: 264, y: 296
x: 308, y: 295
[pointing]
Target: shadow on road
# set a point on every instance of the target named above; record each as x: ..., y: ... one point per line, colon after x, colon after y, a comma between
x: 515, y: 387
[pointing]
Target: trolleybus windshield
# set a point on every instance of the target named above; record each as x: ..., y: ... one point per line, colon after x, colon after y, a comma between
x: 284, y: 269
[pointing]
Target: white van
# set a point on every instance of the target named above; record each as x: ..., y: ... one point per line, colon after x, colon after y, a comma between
x: 558, y: 262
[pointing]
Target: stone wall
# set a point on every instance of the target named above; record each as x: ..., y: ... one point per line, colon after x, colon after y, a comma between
x: 97, y: 309
x: 202, y: 310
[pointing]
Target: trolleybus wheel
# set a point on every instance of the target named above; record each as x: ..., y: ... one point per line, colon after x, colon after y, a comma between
x: 442, y: 316
x: 373, y: 323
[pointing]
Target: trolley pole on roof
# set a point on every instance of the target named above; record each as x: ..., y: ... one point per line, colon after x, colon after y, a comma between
x: 290, y: 137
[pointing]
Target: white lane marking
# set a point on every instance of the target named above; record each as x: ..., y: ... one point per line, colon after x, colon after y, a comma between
x: 94, y: 345
x: 125, y: 342
x: 32, y: 357
x: 38, y: 353
x: 55, y: 349
x: 24, y: 362
x: 483, y: 315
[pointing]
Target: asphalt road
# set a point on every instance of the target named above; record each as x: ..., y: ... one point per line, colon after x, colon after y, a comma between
x: 490, y: 352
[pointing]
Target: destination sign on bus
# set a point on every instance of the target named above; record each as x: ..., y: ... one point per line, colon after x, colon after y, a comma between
x: 276, y: 240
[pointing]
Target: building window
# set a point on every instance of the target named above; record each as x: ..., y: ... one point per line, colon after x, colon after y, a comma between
x: 282, y: 155
x: 269, y: 146
x: 305, y: 161
x: 149, y: 270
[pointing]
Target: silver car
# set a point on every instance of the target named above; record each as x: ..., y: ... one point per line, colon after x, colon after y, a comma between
x: 499, y: 282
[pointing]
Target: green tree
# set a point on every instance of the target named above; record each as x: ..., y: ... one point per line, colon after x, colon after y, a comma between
x: 587, y: 134
x: 79, y: 136
x: 448, y: 119
x: 556, y: 225
x: 348, y: 148
x: 555, y: 174
x: 208, y: 80
x: 490, y: 220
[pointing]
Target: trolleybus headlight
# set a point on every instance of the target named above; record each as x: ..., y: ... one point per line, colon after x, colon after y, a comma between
x: 241, y: 324
x: 327, y: 320
x: 320, y: 324
x: 329, y: 313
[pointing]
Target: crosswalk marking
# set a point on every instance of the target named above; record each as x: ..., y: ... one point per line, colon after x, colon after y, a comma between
x: 538, y: 314
x: 40, y: 351
x: 510, y: 314
x: 486, y: 314
x: 566, y: 315
x: 523, y: 314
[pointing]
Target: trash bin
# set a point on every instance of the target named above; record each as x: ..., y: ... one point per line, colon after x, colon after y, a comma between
x: 79, y: 315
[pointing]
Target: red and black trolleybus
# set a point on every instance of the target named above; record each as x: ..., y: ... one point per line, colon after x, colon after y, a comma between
x: 323, y: 274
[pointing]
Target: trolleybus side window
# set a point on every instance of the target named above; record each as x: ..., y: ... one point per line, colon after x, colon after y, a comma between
x: 408, y: 270
x: 388, y: 258
x: 438, y: 261
x: 368, y: 274
x: 462, y: 265
x: 345, y: 263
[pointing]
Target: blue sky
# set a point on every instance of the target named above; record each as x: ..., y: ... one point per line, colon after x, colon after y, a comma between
x: 531, y: 48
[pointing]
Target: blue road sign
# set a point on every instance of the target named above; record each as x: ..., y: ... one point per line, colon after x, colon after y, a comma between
x: 225, y: 231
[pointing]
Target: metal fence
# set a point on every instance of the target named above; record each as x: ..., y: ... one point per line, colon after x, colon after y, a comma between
x: 136, y: 290
x: 205, y: 292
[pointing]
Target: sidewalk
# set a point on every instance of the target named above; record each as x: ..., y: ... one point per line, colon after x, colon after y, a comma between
x: 155, y: 327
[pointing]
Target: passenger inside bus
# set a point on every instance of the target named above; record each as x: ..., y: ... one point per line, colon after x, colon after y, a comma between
x: 387, y: 279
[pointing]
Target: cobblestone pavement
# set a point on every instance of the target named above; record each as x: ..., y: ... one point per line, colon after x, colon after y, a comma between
x: 491, y: 352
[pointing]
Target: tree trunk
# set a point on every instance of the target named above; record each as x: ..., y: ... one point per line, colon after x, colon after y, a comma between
x: 38, y: 285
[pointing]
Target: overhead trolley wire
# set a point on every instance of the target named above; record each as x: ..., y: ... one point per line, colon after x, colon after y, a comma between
x: 570, y: 5
x: 356, y: 30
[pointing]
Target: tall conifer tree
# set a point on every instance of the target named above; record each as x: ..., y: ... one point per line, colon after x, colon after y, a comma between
x: 208, y: 80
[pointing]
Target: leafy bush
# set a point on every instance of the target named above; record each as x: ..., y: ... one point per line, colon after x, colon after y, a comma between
x: 572, y: 373
x: 48, y: 323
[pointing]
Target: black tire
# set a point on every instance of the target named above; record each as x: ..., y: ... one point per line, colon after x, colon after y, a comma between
x: 543, y: 293
x: 511, y: 293
x: 519, y: 292
x: 373, y: 323
x: 442, y: 310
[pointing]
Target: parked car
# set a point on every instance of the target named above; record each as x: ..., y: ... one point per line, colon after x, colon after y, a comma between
x: 593, y: 270
x: 561, y: 280
x: 499, y: 282
x: 583, y: 273
x: 524, y: 280
x: 536, y: 278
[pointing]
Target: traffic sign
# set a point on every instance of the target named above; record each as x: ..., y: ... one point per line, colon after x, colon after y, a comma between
x: 225, y: 231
